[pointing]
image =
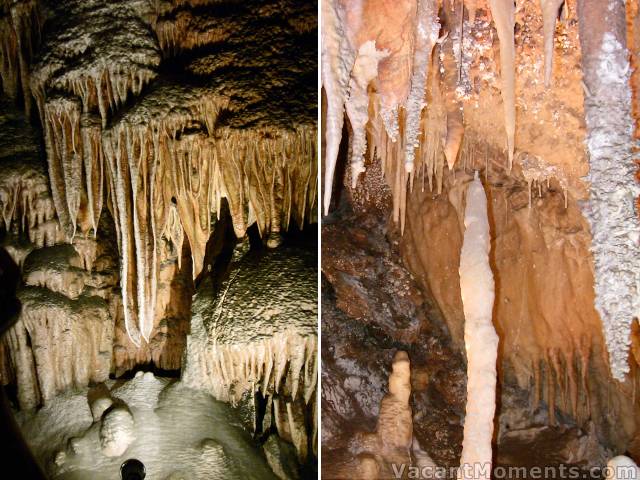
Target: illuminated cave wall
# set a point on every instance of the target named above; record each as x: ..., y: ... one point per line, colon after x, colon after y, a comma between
x: 130, y: 131
x: 515, y: 93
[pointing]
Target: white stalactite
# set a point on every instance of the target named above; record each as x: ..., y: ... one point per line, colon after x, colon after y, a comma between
x: 364, y: 71
x: 481, y: 340
x: 613, y: 189
x: 427, y: 30
x: 338, y: 56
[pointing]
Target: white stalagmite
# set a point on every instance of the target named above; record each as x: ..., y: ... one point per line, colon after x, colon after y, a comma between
x: 550, y: 10
x: 427, y: 30
x: 337, y: 61
x: 503, y: 12
x: 364, y: 71
x: 480, y: 338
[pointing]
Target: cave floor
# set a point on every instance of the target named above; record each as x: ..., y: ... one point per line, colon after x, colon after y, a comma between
x: 178, y: 433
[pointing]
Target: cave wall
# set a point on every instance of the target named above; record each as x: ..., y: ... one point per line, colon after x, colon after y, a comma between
x: 144, y: 126
x: 516, y: 93
x: 551, y: 340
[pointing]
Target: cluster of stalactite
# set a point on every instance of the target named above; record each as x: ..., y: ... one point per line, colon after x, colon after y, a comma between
x: 64, y: 332
x: 20, y: 25
x: 254, y: 337
x: 416, y: 66
x: 265, y: 178
x: 26, y: 203
x: 402, y: 81
x: 163, y: 172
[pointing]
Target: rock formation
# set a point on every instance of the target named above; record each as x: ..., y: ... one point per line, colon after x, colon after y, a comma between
x: 480, y: 338
x: 560, y: 180
x: 176, y: 432
x: 140, y: 140
x: 255, y: 336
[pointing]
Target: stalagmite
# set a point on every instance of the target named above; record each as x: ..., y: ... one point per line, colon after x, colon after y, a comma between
x: 364, y: 71
x: 611, y: 209
x: 480, y: 338
x: 503, y: 12
x: 395, y: 424
x: 337, y: 62
x: 550, y: 9
x: 388, y: 449
x: 427, y: 29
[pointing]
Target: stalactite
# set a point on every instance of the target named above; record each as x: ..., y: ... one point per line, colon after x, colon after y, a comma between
x: 449, y: 73
x: 21, y: 356
x: 427, y: 29
x: 611, y: 208
x: 64, y: 155
x: 364, y: 71
x: 481, y: 340
x: 269, y: 172
x: 70, y: 344
x: 338, y: 56
x: 20, y: 28
x: 185, y: 31
x: 395, y: 70
x: 534, y: 170
x: 503, y: 12
x: 25, y: 202
x: 550, y: 9
x: 93, y: 163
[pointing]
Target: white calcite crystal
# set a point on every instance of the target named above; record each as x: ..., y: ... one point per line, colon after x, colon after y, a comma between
x: 480, y: 338
x: 611, y: 208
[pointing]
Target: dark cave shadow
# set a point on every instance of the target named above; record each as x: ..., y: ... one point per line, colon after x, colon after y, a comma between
x: 10, y: 306
x: 15, y: 456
